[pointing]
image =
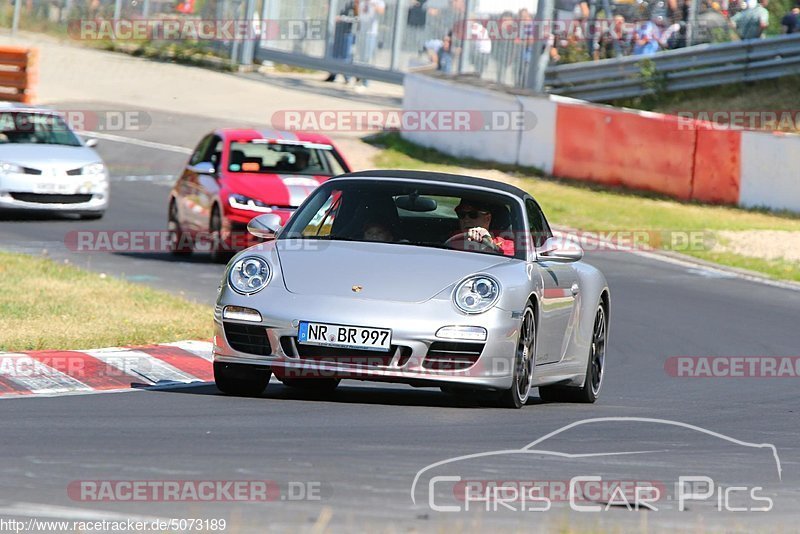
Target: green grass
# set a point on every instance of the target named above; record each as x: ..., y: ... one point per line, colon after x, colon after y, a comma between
x: 48, y: 305
x: 598, y: 209
x: 768, y: 95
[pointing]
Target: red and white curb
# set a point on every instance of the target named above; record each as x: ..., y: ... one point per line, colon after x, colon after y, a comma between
x: 63, y: 372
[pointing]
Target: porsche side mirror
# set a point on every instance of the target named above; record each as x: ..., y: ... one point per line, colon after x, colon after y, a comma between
x: 265, y: 226
x: 560, y: 249
x: 90, y: 142
x: 204, y: 167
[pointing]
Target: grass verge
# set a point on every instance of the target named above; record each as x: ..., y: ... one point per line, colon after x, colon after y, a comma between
x: 778, y: 95
x: 594, y: 208
x: 48, y: 305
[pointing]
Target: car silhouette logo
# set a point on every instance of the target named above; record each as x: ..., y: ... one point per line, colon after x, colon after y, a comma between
x: 357, y: 289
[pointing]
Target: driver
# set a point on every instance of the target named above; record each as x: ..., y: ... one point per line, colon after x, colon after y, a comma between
x: 474, y: 220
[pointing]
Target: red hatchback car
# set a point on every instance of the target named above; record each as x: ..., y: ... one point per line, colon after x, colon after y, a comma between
x: 236, y: 174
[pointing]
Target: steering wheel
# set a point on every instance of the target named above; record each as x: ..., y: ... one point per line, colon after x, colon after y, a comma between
x: 462, y: 242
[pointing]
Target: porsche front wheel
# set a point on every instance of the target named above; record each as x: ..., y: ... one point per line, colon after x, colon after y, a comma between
x: 595, y: 368
x: 524, y: 361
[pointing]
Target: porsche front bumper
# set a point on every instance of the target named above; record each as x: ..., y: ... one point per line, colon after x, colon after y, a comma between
x: 418, y: 356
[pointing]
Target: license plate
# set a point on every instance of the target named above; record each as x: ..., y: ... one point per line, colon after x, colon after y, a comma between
x: 53, y: 188
x: 343, y: 336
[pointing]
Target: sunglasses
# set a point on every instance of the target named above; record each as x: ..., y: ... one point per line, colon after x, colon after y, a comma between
x: 471, y: 214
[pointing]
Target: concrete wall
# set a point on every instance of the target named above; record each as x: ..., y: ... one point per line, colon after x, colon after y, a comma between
x: 677, y: 157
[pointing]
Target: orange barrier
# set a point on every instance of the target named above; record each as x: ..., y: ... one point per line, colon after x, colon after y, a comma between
x: 17, y: 73
x: 637, y: 150
x: 717, y: 165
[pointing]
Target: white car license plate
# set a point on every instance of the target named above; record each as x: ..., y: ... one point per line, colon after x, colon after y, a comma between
x: 350, y: 337
x: 53, y: 188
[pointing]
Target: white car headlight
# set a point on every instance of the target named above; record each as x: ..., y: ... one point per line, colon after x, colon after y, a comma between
x: 8, y: 168
x: 476, y: 294
x: 93, y: 169
x: 249, y: 275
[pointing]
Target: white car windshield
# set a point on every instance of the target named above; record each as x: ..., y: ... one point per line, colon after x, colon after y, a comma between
x: 35, y: 128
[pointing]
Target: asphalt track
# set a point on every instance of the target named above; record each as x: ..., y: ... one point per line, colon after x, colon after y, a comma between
x: 364, y: 444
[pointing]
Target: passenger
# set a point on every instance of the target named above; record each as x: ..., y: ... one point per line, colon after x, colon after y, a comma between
x: 376, y: 231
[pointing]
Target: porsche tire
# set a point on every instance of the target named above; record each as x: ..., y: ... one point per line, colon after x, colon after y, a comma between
x: 595, y: 368
x: 241, y: 380
x: 524, y: 360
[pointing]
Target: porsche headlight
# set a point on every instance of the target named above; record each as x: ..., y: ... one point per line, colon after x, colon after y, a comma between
x: 249, y: 275
x: 477, y: 294
x: 93, y: 169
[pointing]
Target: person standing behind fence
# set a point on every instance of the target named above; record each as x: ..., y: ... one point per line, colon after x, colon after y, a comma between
x: 481, y: 46
x: 503, y: 47
x: 416, y: 20
x: 440, y: 52
x: 791, y: 20
x: 525, y: 43
x: 611, y: 42
x: 369, y: 13
x: 344, y: 38
x: 646, y: 39
x: 751, y: 23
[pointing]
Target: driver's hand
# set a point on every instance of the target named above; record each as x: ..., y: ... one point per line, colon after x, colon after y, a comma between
x: 478, y: 234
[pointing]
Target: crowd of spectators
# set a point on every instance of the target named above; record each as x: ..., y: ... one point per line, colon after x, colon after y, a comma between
x: 601, y: 29
x: 583, y: 30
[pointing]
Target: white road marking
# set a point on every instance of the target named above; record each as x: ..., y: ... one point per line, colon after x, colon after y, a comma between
x: 37, y: 377
x: 38, y: 510
x: 692, y: 267
x: 198, y: 348
x: 136, y: 363
x: 138, y: 142
x: 720, y: 272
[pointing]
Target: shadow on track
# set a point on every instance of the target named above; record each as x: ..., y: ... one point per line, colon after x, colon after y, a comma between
x: 41, y: 216
x: 346, y: 394
x: 166, y: 257
x: 335, y: 90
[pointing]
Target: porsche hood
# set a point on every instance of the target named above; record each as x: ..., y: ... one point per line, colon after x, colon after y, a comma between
x: 389, y: 272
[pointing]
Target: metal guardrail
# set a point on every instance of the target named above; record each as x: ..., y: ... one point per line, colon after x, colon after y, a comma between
x: 700, y: 66
x: 331, y: 65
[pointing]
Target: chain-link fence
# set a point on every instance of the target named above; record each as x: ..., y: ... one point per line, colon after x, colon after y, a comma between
x: 493, y: 39
x: 496, y: 40
x: 390, y: 35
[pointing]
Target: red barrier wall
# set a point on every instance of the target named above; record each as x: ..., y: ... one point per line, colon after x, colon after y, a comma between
x: 717, y: 165
x: 641, y: 151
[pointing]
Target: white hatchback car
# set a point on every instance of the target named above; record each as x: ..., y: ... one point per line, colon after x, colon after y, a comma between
x: 45, y: 166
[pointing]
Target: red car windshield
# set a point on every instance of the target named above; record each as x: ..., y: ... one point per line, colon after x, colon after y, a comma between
x: 264, y: 157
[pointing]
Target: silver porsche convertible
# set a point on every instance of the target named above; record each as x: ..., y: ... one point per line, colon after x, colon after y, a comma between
x: 419, y: 278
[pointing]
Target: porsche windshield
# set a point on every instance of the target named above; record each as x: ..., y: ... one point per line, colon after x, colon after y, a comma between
x: 263, y: 157
x: 410, y: 213
x: 35, y: 128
